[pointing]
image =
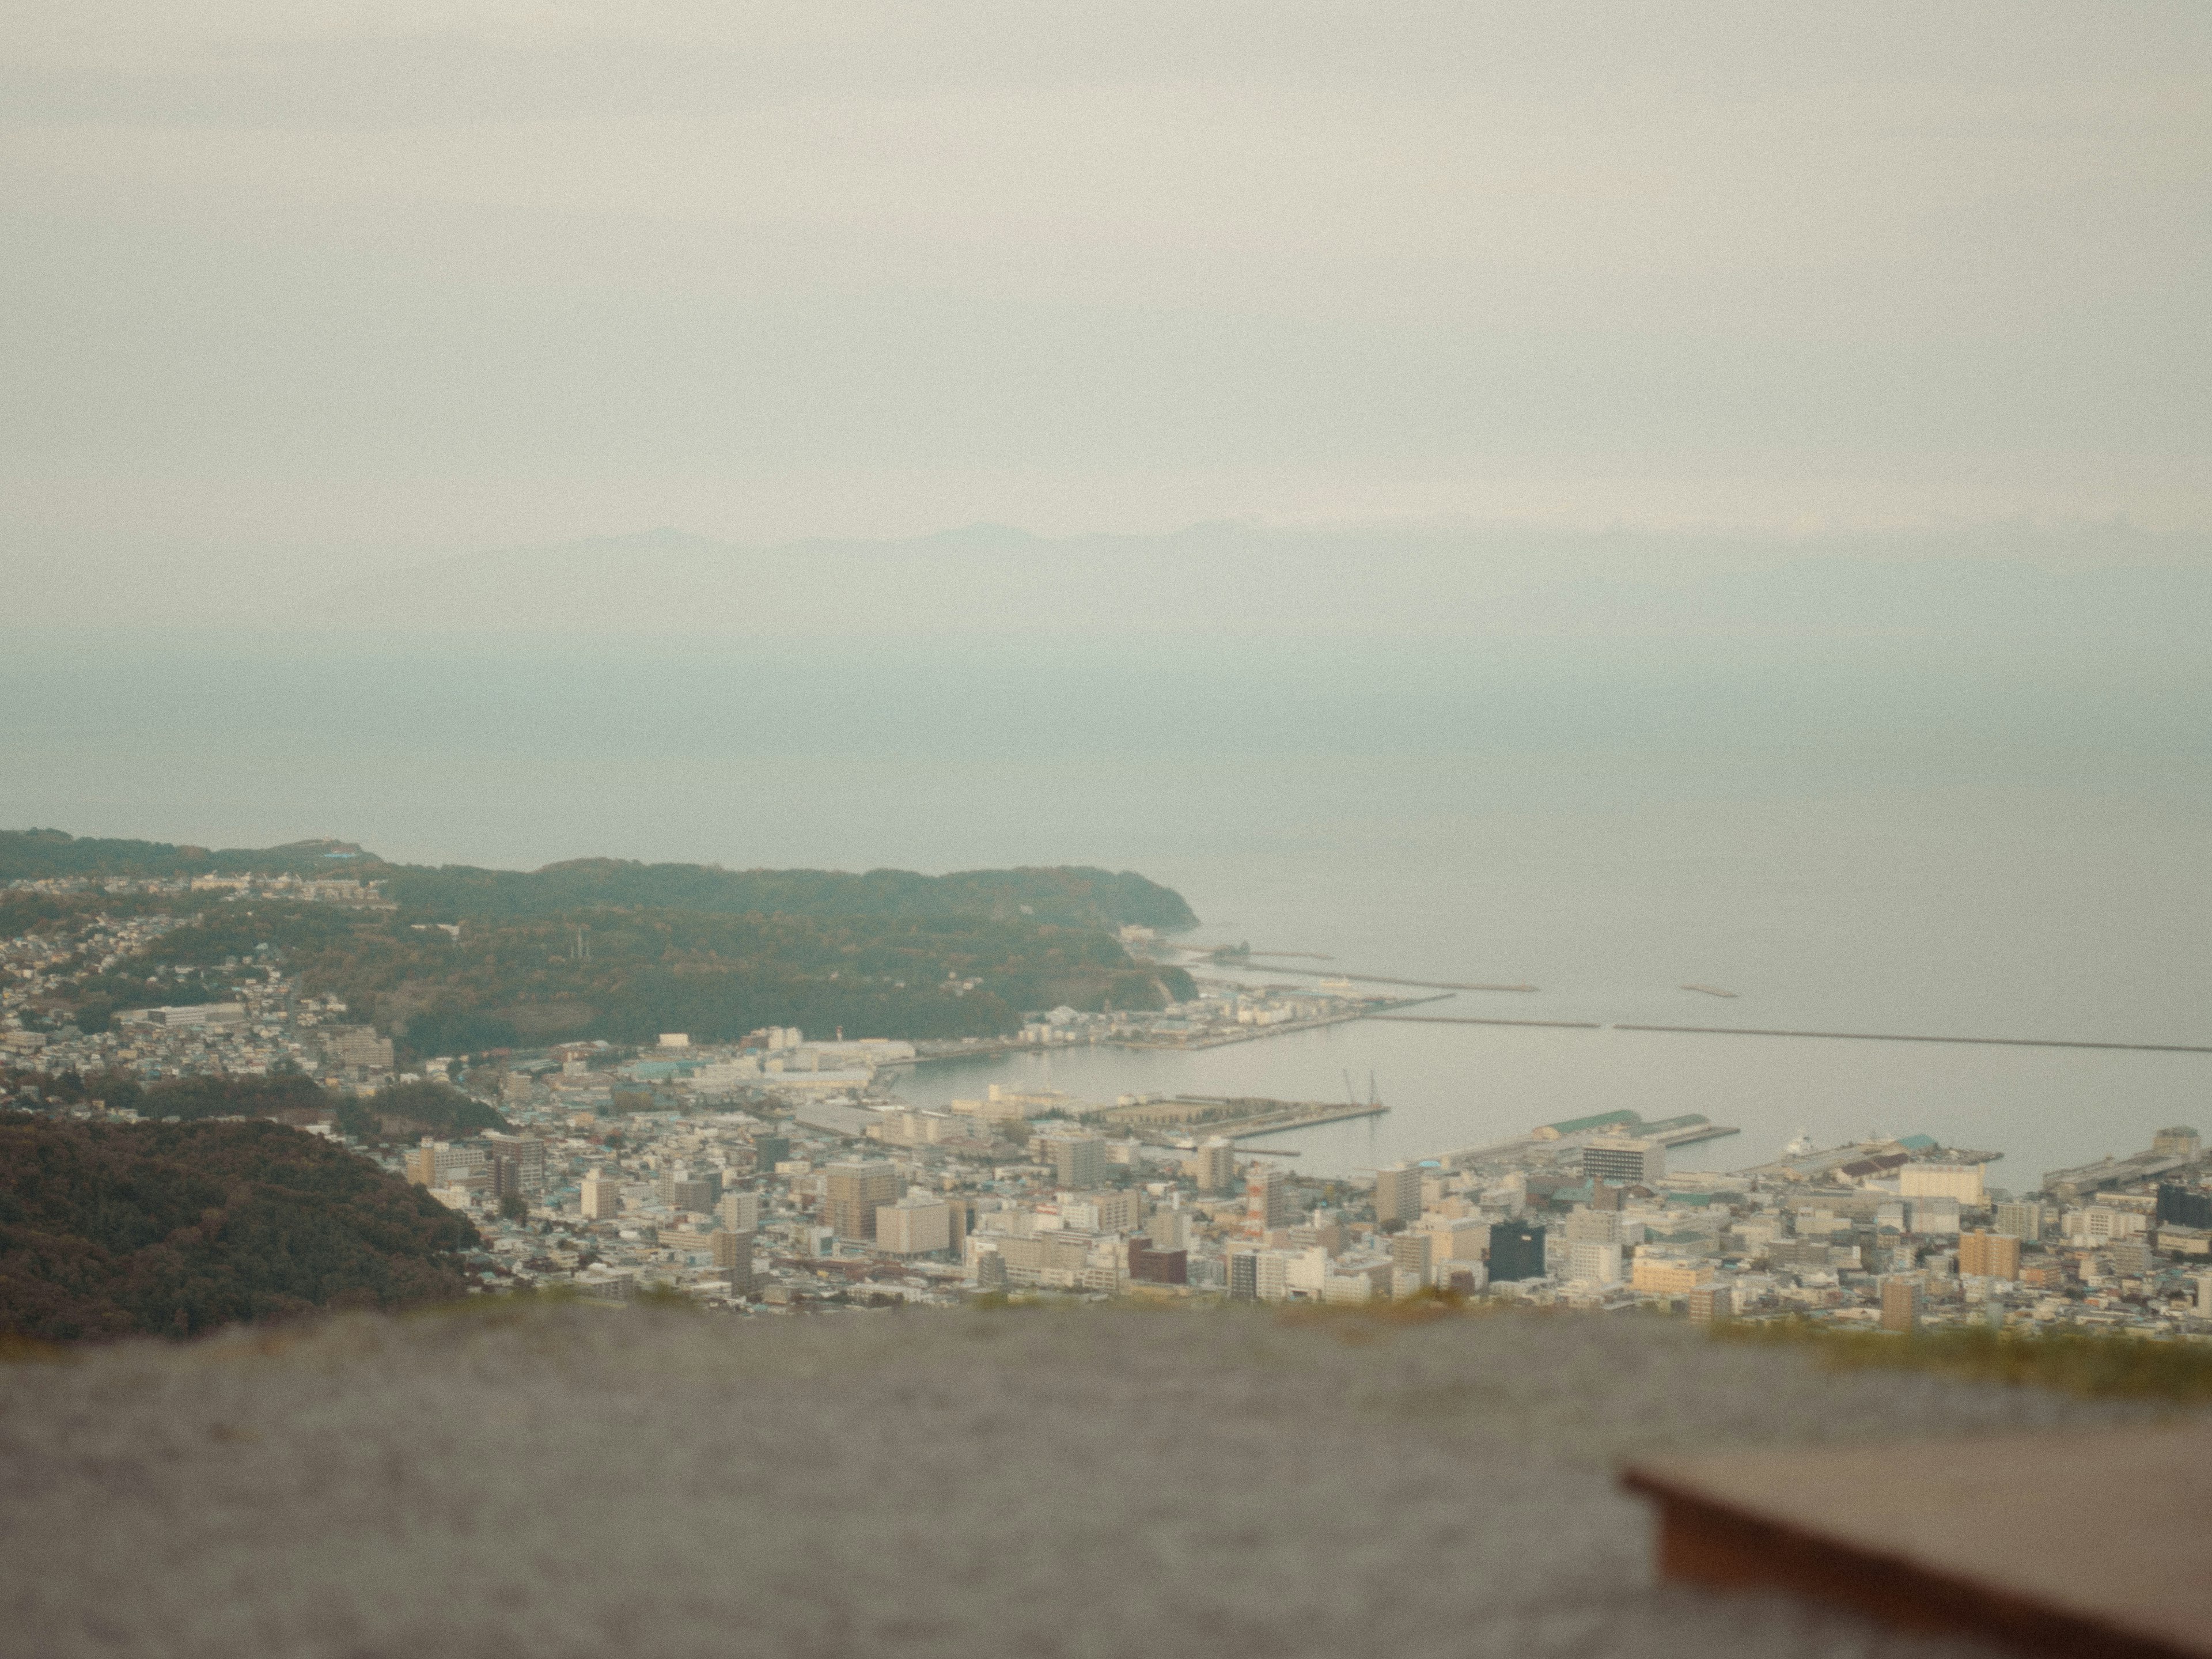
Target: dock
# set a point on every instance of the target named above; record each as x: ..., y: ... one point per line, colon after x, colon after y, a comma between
x: 1687, y: 1130
x: 1365, y: 979
x: 1471, y: 1019
x: 1232, y: 1117
x: 1835, y: 1036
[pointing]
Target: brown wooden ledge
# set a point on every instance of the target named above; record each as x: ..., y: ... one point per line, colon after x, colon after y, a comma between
x: 2079, y: 1544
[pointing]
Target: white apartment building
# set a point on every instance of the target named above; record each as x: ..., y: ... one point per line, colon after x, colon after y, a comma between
x: 738, y: 1211
x: 602, y: 1197
x: 1590, y: 1259
x: 917, y: 1225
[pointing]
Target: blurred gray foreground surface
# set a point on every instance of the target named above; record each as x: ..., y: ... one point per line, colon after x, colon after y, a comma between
x: 558, y: 1481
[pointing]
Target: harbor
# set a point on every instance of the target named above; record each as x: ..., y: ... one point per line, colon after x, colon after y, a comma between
x: 1174, y: 1120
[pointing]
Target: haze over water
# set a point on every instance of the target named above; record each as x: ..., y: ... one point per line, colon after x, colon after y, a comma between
x: 313, y: 303
x: 1945, y: 833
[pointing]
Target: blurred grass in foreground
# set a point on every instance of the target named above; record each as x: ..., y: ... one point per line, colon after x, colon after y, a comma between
x: 2114, y: 1367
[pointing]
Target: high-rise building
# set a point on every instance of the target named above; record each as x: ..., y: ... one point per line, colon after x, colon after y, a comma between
x: 602, y: 1197
x: 526, y: 1153
x: 2184, y: 1206
x: 1455, y: 1238
x: 1078, y: 1161
x: 1624, y: 1158
x: 1414, y: 1253
x: 1988, y: 1255
x: 2021, y: 1217
x: 852, y: 1194
x: 768, y: 1151
x: 1271, y: 1280
x: 921, y: 1224
x: 1267, y: 1197
x: 1594, y: 1260
x: 1397, y: 1193
x: 1115, y: 1210
x: 1711, y: 1303
x: 357, y: 1047
x: 1214, y: 1165
x: 1667, y: 1276
x: 442, y: 1163
x: 1900, y: 1304
x: 1516, y: 1251
x: 959, y: 1221
x: 1593, y: 1226
x: 1148, y: 1265
x: 1170, y: 1229
x: 733, y: 1254
x: 681, y: 1188
x: 1244, y: 1267
x: 738, y: 1210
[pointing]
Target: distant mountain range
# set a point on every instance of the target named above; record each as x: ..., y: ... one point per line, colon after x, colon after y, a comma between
x: 1222, y: 581
x: 999, y: 586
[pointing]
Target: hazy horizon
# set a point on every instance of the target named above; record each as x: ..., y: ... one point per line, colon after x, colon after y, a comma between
x: 1601, y: 496
x: 296, y: 289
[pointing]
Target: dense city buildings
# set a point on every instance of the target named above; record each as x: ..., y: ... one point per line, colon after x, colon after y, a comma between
x: 782, y: 1172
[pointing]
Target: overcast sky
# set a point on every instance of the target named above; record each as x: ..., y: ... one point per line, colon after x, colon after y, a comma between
x: 337, y: 281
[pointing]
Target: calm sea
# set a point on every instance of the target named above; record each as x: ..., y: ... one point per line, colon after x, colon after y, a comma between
x: 1860, y: 839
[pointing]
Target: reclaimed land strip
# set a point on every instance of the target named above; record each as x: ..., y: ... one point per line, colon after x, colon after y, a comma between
x: 1895, y: 1037
x: 1470, y: 1019
x: 1841, y: 1036
x: 1386, y: 979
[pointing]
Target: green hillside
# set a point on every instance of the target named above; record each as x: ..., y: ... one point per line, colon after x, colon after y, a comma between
x: 1069, y: 896
x: 601, y: 948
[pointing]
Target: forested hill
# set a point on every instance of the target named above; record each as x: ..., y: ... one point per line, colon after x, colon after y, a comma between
x: 168, y: 1229
x: 1068, y: 896
x: 459, y: 960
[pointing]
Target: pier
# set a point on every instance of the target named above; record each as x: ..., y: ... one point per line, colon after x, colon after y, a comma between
x: 1337, y: 973
x: 1836, y: 1036
x: 1471, y: 1019
x: 1233, y: 1117
x: 1685, y: 1130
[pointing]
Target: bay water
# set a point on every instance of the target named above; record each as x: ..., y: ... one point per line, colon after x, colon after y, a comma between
x: 1873, y: 838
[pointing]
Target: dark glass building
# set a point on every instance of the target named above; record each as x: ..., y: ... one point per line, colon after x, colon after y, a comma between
x: 1516, y: 1251
x: 2184, y: 1207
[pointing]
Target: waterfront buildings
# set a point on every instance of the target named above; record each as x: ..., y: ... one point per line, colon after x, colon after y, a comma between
x: 620, y: 1171
x: 1624, y: 1159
